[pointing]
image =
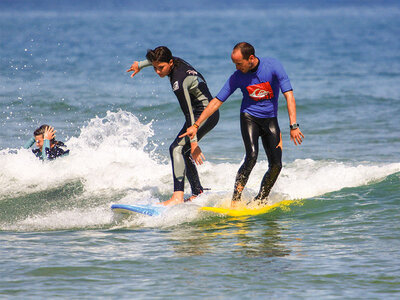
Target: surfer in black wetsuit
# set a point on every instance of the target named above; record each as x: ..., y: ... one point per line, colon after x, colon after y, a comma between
x: 193, y: 95
x: 47, y: 146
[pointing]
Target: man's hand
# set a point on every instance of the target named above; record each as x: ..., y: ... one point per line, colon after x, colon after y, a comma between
x: 190, y: 132
x: 134, y: 68
x: 296, y: 136
x: 196, y: 153
x: 49, y: 133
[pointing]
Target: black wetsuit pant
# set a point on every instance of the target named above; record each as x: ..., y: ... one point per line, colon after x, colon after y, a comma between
x: 182, y: 162
x: 252, y: 128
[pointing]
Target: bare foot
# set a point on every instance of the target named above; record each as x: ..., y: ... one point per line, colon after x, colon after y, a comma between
x: 235, y: 204
x: 191, y: 198
x: 176, y: 198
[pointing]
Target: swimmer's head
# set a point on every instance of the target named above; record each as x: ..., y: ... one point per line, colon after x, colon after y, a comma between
x: 39, y: 136
x: 40, y: 130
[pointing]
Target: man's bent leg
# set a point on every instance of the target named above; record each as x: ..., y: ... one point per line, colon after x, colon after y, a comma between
x: 268, y: 182
x: 272, y: 142
x: 250, y: 134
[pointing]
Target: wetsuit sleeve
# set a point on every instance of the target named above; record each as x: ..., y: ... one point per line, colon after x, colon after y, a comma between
x: 282, y: 77
x: 29, y: 143
x: 182, y: 92
x: 46, y: 150
x: 144, y: 63
x: 228, y: 89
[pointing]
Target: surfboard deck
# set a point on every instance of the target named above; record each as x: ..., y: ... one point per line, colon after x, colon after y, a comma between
x: 156, y: 210
x: 149, y: 210
x: 245, y: 211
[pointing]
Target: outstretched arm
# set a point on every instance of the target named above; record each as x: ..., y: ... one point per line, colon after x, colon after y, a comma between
x: 295, y: 134
x: 29, y: 143
x: 137, y: 66
x: 211, y: 108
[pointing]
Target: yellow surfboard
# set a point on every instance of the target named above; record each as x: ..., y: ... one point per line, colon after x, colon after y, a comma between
x: 245, y: 211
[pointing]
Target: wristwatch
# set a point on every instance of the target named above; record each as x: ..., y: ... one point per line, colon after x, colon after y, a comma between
x: 294, y: 126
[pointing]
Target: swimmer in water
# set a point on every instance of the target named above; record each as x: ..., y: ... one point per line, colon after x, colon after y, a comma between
x: 47, y: 146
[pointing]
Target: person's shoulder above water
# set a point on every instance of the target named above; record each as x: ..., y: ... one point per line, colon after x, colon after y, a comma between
x: 57, y: 150
x: 48, y: 148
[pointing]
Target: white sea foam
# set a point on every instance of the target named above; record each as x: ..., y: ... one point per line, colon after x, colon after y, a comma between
x: 114, y: 154
x: 64, y: 219
x: 108, y: 155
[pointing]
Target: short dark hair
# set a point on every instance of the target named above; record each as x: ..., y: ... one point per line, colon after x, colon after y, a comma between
x: 160, y: 54
x: 40, y: 130
x: 246, y: 49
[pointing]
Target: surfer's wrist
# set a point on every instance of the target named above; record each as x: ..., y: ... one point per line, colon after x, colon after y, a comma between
x: 195, y: 125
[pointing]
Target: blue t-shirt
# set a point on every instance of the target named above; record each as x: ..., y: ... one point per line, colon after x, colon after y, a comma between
x: 260, y: 88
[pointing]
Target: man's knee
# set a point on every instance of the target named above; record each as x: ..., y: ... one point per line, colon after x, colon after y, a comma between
x: 251, y: 159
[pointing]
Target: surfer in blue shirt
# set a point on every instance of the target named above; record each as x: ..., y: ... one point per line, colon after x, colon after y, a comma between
x: 193, y: 95
x: 47, y: 147
x: 260, y: 80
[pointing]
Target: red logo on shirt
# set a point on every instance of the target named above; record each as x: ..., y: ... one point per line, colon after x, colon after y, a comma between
x: 261, y: 91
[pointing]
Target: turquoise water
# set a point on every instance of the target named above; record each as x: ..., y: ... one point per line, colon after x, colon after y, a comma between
x: 64, y: 64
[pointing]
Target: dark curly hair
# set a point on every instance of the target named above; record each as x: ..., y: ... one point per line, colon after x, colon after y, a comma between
x: 160, y: 54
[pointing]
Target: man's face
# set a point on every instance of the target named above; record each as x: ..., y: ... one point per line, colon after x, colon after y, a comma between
x: 39, y: 141
x: 243, y: 65
x: 162, y: 68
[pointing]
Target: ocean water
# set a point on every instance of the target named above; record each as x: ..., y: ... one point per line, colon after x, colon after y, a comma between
x: 63, y: 63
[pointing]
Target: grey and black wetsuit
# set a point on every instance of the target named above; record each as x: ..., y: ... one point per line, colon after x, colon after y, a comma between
x: 193, y: 95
